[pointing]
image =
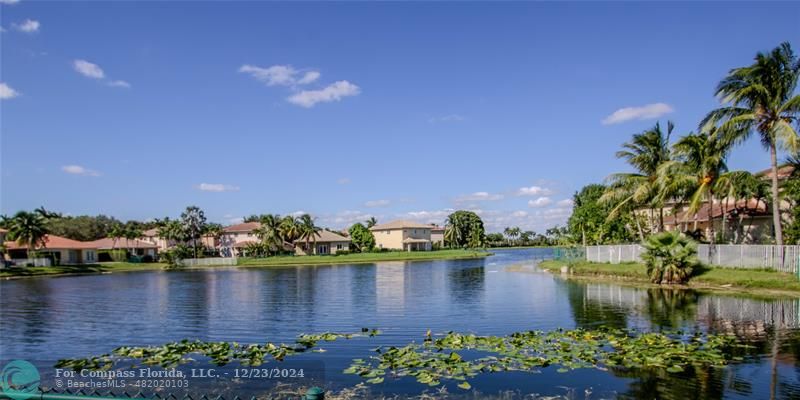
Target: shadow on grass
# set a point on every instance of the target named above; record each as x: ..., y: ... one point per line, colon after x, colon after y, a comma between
x: 60, y: 269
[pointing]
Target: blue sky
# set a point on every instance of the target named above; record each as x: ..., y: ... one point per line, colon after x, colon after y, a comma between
x: 347, y: 110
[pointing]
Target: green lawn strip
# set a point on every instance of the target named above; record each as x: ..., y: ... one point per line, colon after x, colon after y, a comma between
x: 78, y: 269
x: 712, y: 277
x: 356, y: 258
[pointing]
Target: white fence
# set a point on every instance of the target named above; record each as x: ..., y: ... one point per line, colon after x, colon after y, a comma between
x: 207, y: 262
x: 785, y: 258
x: 36, y: 262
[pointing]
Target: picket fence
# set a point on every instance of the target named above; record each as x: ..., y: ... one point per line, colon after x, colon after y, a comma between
x: 207, y: 262
x: 752, y: 256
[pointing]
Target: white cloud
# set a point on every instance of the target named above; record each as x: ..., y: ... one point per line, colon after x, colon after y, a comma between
x: 540, y: 202
x: 121, y: 84
x: 378, y: 203
x: 427, y: 216
x: 333, y: 92
x: 88, y: 69
x: 279, y: 75
x: 478, y: 196
x: 28, y: 26
x: 7, y: 92
x: 79, y: 170
x: 447, y: 118
x: 565, y: 203
x: 534, y: 191
x: 519, y: 214
x: 648, y: 111
x: 9, y: 2
x: 217, y: 187
x: 343, y: 181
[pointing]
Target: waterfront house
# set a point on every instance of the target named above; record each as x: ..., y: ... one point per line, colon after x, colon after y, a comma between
x: 403, y: 235
x: 437, y: 235
x: 134, y: 247
x: 59, y: 250
x: 325, y: 242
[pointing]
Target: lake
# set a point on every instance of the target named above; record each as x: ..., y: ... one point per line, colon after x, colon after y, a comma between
x: 79, y: 316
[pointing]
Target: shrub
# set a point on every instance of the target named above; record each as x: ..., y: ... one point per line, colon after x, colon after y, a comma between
x: 118, y: 255
x: 147, y: 258
x: 670, y: 257
x: 342, y: 252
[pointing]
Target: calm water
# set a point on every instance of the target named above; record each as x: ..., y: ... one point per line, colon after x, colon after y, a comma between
x: 51, y: 318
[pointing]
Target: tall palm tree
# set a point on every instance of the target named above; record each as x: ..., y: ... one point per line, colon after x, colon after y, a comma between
x: 308, y: 230
x: 116, y: 232
x: 171, y: 231
x: 646, y: 152
x: 371, y: 221
x: 289, y: 229
x: 270, y: 232
x: 28, y: 229
x: 761, y: 99
x: 131, y: 232
x: 698, y: 163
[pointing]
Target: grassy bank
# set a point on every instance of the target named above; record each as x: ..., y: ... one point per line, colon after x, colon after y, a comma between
x: 746, y: 280
x: 78, y: 269
x: 357, y: 258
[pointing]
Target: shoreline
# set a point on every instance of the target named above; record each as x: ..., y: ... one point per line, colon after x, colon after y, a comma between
x: 288, y: 261
x: 736, y: 281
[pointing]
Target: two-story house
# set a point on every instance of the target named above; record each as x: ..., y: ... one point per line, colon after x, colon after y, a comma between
x: 402, y: 235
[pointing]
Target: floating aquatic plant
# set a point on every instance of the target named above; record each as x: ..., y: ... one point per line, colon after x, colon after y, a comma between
x: 438, y: 359
x: 220, y: 353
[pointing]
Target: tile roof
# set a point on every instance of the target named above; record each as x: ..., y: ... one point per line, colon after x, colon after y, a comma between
x: 55, y: 242
x: 400, y: 224
x: 752, y: 207
x: 784, y: 172
x: 122, y: 243
x: 326, y: 236
x: 243, y: 227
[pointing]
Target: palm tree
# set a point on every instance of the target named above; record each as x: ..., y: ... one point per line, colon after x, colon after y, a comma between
x: 308, y: 231
x: 171, y: 231
x: 28, y: 229
x: 760, y: 98
x: 131, y: 232
x: 289, y: 229
x: 270, y: 232
x: 116, y: 232
x: 371, y: 221
x: 645, y: 153
x: 698, y: 163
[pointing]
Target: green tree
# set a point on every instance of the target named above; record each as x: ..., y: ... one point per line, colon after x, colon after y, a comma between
x: 308, y: 231
x: 761, y: 99
x: 172, y: 231
x: 646, y: 152
x: 116, y: 232
x: 193, y: 220
x: 791, y: 193
x: 590, y: 219
x: 84, y: 227
x: 28, y: 229
x: 512, y: 233
x: 670, y: 257
x: 464, y: 229
x: 697, y: 165
x: 269, y: 232
x: 371, y: 221
x: 362, y: 237
x: 289, y: 229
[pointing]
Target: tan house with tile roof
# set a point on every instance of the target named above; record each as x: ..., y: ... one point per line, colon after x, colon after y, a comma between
x: 402, y: 235
x: 326, y: 242
x: 234, y: 238
x: 60, y: 249
x: 134, y: 246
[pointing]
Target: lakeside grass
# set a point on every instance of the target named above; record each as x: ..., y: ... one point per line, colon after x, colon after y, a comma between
x: 360, y: 258
x: 754, y: 281
x: 279, y: 261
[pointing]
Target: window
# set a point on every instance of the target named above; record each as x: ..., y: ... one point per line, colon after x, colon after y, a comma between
x: 339, y: 246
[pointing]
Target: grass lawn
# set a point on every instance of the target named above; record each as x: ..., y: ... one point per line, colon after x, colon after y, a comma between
x: 355, y: 258
x: 752, y: 281
x: 78, y: 269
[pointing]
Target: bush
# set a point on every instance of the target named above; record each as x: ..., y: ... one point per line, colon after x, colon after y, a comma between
x: 148, y: 258
x: 670, y: 257
x: 342, y: 252
x: 118, y: 255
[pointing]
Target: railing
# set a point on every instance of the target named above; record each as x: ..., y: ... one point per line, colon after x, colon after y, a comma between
x: 207, y: 262
x: 753, y: 256
x: 36, y: 262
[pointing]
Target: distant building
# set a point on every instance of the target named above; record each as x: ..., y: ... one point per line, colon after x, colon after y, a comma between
x: 235, y: 238
x: 437, y: 235
x: 325, y: 242
x: 402, y: 235
x: 59, y: 249
x: 133, y: 246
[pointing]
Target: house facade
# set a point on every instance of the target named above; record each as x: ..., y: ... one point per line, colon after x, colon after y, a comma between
x: 60, y: 250
x: 325, y: 242
x: 133, y: 246
x: 235, y: 238
x: 437, y: 235
x: 403, y: 235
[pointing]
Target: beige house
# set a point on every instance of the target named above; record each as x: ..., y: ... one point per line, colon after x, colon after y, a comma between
x: 61, y: 250
x: 325, y: 242
x: 235, y: 238
x: 402, y: 235
x: 133, y: 246
x: 437, y: 235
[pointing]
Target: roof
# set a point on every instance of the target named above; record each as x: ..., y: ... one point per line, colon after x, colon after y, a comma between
x: 412, y: 240
x: 750, y: 207
x: 326, y: 236
x: 243, y: 227
x: 244, y: 243
x: 55, y: 242
x: 122, y: 243
x: 784, y: 172
x: 437, y: 228
x: 400, y: 224
x: 150, y: 232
